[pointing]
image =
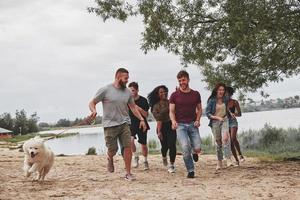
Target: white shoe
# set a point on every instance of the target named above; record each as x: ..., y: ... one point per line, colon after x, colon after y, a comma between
x: 242, y: 159
x: 146, y: 165
x: 219, y: 165
x: 129, y: 177
x: 171, y: 169
x: 135, y: 162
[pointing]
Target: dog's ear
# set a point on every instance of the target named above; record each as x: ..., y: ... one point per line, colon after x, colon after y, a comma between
x: 25, y: 147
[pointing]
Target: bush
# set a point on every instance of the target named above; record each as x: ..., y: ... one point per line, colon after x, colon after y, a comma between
x: 152, y: 144
x: 272, y: 140
x: 91, y: 151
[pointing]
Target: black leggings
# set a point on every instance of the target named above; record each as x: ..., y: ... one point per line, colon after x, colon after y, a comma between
x: 168, y: 141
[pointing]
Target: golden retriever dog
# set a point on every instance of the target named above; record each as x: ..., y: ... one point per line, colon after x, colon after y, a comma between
x: 38, y: 158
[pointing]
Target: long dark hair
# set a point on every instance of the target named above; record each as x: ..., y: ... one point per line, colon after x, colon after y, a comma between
x: 153, y: 96
x: 215, y: 90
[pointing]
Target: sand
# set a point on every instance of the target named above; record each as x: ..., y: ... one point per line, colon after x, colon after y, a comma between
x: 85, y: 177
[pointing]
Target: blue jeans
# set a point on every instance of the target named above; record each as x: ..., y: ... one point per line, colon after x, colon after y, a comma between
x: 189, y: 139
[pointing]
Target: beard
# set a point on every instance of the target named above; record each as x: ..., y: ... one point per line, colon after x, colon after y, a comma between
x: 122, y: 85
x: 183, y: 86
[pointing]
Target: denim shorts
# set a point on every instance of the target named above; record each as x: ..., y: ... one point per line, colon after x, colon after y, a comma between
x: 233, y: 123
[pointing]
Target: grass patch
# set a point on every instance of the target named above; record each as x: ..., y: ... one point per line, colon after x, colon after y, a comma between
x: 21, y: 138
x: 266, y: 156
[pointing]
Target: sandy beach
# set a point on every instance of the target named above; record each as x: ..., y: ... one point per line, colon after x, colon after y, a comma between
x: 85, y: 177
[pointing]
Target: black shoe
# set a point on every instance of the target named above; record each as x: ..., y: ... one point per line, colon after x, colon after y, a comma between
x: 191, y: 175
x: 195, y: 157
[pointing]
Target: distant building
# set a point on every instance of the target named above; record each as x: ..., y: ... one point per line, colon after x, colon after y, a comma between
x: 5, y: 133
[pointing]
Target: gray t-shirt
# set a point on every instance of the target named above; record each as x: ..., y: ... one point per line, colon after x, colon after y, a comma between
x: 115, y: 109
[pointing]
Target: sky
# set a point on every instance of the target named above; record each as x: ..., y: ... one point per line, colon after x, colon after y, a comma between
x: 54, y: 56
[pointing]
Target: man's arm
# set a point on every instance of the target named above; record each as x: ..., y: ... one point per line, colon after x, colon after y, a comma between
x: 135, y: 111
x: 142, y: 111
x: 172, y: 115
x: 92, y: 106
x: 98, y: 97
x: 198, y: 114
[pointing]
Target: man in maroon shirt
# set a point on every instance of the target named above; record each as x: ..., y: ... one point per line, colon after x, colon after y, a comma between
x: 185, y: 114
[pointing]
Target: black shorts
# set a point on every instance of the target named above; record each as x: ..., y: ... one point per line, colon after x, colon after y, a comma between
x: 142, y: 136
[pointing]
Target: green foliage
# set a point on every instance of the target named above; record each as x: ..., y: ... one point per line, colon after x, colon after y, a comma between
x: 207, y: 145
x: 272, y: 104
x: 21, y: 123
x: 152, y: 144
x: 245, y: 44
x: 271, y: 140
x: 63, y: 123
x: 6, y: 121
x: 91, y: 151
x: 19, y: 138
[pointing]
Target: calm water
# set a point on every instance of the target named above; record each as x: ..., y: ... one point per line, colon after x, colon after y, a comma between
x: 93, y: 137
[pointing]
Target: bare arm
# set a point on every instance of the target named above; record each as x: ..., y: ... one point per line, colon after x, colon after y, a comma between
x: 135, y: 111
x: 158, y: 129
x: 172, y: 115
x: 198, y: 114
x: 142, y: 111
x: 238, y: 112
x: 92, y: 106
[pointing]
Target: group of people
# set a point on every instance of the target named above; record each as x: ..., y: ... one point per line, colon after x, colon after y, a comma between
x: 125, y: 115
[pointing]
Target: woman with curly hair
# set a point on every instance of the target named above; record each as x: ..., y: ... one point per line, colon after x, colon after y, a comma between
x: 234, y: 111
x: 159, y: 104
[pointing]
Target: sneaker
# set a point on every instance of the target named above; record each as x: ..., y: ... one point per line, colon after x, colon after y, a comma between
x: 146, y: 165
x: 219, y: 165
x: 110, y: 165
x: 136, y: 162
x: 191, y: 175
x: 242, y: 159
x: 171, y: 169
x: 195, y: 157
x: 129, y: 177
x: 165, y: 161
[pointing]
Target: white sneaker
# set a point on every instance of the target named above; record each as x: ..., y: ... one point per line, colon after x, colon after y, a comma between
x: 129, y: 177
x: 135, y: 162
x: 219, y: 165
x: 171, y: 169
x: 242, y: 159
x: 146, y: 165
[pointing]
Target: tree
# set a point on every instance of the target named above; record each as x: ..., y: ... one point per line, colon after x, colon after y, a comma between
x: 6, y: 121
x: 243, y: 43
x: 44, y: 125
x: 63, y: 123
x: 32, y: 123
x: 20, y: 124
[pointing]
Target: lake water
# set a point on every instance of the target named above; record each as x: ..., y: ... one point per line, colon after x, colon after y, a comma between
x: 93, y: 137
